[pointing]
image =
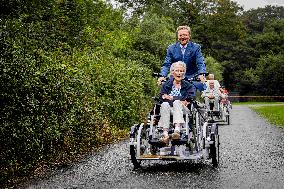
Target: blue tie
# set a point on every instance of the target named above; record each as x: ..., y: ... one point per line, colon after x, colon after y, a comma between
x: 183, y: 50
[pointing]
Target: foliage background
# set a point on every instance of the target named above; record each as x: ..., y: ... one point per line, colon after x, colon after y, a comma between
x: 76, y: 74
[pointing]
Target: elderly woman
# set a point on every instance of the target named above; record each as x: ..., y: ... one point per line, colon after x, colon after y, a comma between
x: 211, y: 95
x: 174, y: 94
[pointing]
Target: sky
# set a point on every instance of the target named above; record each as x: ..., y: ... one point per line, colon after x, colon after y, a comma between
x: 249, y: 4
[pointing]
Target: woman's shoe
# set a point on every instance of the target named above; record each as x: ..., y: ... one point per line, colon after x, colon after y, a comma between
x: 176, y: 135
x: 165, y: 139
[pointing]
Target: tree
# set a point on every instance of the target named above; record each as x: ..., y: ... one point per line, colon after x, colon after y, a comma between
x: 149, y: 36
x: 271, y: 40
x: 256, y: 19
x: 262, y: 36
x: 270, y: 72
x: 212, y: 66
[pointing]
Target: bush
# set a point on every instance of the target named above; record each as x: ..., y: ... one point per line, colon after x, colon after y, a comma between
x: 60, y: 98
x: 67, y: 104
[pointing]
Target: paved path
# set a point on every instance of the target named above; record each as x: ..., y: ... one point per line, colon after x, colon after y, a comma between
x: 252, y: 156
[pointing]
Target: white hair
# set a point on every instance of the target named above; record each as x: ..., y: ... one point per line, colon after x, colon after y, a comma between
x: 178, y: 63
x: 211, y: 75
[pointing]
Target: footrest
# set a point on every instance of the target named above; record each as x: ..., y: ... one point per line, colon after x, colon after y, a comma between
x: 214, y: 113
x: 179, y: 142
x: 157, y: 142
x: 157, y: 116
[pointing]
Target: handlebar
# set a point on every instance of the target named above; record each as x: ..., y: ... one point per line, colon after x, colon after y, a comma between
x: 194, y: 78
x: 155, y: 74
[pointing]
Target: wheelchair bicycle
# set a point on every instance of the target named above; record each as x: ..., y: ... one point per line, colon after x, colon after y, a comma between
x: 199, y: 138
x: 225, y: 107
x: 222, y: 115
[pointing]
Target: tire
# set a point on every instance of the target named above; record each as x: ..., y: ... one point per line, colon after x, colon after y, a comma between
x: 135, y: 162
x: 228, y: 119
x: 142, y: 142
x: 198, y: 130
x: 214, y: 151
x: 153, y: 150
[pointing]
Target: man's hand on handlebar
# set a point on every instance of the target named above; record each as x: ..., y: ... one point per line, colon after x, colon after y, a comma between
x: 202, y: 78
x: 161, y: 79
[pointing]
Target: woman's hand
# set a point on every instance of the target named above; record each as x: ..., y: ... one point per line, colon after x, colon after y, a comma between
x: 167, y: 97
x: 185, y: 103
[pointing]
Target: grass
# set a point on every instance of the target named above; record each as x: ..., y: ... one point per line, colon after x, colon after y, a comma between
x: 274, y: 114
x: 255, y: 103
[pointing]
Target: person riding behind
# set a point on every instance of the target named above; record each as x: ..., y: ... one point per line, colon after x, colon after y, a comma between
x: 211, y: 94
x: 186, y: 51
x: 224, y: 96
x: 211, y: 77
x: 174, y: 94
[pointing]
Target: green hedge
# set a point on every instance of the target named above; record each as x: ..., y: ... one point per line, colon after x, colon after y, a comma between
x: 58, y: 101
x: 64, y: 91
x: 63, y: 105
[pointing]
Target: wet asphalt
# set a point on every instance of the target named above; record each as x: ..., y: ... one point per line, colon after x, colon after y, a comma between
x: 251, y: 157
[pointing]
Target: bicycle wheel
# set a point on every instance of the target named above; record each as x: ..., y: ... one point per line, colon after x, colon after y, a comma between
x: 136, y: 163
x: 228, y: 119
x: 214, y: 149
x: 140, y: 147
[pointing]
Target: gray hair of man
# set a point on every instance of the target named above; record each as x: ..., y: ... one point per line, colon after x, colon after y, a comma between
x: 178, y: 63
x: 184, y: 28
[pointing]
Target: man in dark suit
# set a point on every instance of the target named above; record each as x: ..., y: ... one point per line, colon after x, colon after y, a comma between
x: 186, y: 51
